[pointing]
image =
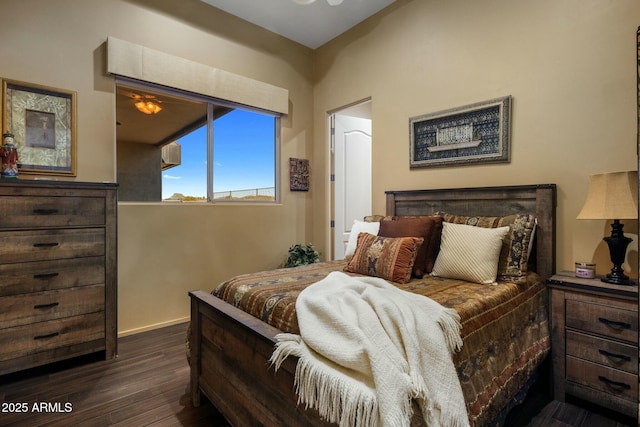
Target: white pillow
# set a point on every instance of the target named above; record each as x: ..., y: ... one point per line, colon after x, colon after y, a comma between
x: 469, y: 253
x: 357, y: 228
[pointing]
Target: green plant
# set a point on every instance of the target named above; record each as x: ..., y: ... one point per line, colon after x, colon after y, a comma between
x: 302, y: 255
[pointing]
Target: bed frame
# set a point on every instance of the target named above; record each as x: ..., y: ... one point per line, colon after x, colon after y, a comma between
x: 230, y: 349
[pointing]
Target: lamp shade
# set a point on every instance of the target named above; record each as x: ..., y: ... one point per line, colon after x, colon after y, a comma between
x: 612, y: 196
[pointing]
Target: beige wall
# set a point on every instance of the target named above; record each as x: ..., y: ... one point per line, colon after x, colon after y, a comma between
x: 165, y: 251
x: 569, y: 65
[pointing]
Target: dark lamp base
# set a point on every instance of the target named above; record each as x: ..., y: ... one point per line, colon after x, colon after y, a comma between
x: 618, y: 243
x: 616, y: 280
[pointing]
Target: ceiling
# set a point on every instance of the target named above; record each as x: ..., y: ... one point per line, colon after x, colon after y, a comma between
x: 156, y: 129
x: 311, y: 25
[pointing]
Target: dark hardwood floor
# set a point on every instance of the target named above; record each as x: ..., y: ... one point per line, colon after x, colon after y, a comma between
x: 557, y: 414
x: 147, y: 385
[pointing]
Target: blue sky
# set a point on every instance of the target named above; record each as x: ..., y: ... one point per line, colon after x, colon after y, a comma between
x: 243, y: 156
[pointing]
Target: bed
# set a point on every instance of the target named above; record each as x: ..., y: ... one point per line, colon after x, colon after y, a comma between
x: 229, y: 349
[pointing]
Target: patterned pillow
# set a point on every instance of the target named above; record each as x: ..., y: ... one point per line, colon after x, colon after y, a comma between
x: 514, y: 255
x: 389, y: 258
x: 427, y: 227
x: 469, y: 253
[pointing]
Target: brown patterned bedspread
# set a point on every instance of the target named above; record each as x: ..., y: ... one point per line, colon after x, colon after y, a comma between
x: 505, y: 329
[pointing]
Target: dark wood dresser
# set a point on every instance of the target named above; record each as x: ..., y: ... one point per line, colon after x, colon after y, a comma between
x: 594, y: 333
x: 58, y: 271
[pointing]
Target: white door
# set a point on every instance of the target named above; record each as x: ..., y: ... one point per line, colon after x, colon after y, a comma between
x: 352, y: 176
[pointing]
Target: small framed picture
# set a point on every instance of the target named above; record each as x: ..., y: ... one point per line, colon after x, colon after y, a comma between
x: 43, y: 123
x: 298, y: 174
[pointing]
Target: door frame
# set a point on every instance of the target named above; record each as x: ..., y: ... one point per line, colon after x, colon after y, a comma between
x: 361, y: 108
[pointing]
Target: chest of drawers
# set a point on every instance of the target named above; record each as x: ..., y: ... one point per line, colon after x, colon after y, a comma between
x: 595, y: 342
x: 58, y: 272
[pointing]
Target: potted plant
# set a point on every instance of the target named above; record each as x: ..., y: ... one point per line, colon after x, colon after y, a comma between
x: 302, y: 255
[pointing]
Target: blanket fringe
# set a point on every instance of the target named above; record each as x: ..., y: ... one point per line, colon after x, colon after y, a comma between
x: 338, y: 399
x: 286, y: 345
x: 449, y: 321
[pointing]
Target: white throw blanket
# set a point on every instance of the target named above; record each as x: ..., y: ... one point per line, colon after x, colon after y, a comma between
x: 366, y: 348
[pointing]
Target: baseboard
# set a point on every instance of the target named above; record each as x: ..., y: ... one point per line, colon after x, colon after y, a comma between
x: 152, y: 327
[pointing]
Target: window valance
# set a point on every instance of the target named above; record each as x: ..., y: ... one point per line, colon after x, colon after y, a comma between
x: 142, y: 63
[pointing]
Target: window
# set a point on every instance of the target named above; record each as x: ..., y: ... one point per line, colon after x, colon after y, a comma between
x: 187, y: 181
x: 200, y: 149
x: 243, y: 156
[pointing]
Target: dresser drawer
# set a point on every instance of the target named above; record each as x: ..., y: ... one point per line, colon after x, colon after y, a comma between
x: 39, y: 337
x: 610, y: 321
x: 27, y: 277
x: 42, y: 211
x: 43, y: 245
x: 43, y: 306
x: 603, y: 351
x: 607, y: 380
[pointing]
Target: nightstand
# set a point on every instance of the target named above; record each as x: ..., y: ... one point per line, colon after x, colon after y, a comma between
x: 594, y: 341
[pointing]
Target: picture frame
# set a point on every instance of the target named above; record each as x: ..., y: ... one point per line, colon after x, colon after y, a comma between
x: 42, y: 120
x: 475, y: 133
x: 298, y: 174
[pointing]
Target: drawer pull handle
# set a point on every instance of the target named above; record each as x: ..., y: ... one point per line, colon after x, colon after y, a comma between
x: 42, y: 306
x: 45, y: 245
x: 45, y: 276
x: 614, y: 384
x: 45, y: 211
x: 615, y: 356
x: 44, y: 337
x: 614, y: 324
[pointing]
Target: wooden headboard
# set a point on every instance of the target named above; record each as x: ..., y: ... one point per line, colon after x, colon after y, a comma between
x: 539, y: 200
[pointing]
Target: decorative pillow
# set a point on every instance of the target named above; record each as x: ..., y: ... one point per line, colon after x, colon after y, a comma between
x: 434, y: 245
x: 516, y: 248
x: 427, y: 227
x: 377, y: 218
x: 357, y: 228
x: 389, y: 258
x: 469, y: 253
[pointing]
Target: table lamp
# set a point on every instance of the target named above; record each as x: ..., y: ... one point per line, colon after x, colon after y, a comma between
x: 613, y: 196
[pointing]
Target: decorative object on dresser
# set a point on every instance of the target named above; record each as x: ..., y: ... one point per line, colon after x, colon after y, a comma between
x: 58, y: 271
x: 9, y: 156
x: 613, y: 196
x: 594, y: 328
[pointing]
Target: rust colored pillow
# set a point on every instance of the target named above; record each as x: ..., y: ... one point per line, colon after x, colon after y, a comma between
x: 389, y: 258
x: 427, y: 227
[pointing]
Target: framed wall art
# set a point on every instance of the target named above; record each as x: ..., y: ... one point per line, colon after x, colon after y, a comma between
x: 43, y: 123
x: 298, y: 174
x: 476, y: 133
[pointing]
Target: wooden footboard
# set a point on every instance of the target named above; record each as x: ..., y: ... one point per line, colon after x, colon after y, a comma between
x: 237, y: 377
